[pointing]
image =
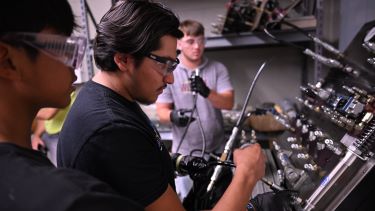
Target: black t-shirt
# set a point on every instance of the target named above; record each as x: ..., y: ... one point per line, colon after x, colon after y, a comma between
x: 111, y: 138
x: 29, y: 181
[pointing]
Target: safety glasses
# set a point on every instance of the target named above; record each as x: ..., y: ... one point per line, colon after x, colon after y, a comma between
x: 167, y: 65
x: 192, y: 41
x: 68, y: 50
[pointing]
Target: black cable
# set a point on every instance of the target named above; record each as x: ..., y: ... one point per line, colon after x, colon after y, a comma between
x: 114, y: 2
x: 198, y: 150
x: 222, y: 163
x: 328, y: 47
x: 188, y: 124
x: 279, y: 40
x: 242, y: 115
x: 229, y: 144
x: 202, y: 132
x: 272, y: 185
x: 195, y: 98
x: 91, y: 15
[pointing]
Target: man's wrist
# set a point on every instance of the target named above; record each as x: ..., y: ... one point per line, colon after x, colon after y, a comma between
x: 245, y: 177
x: 206, y: 92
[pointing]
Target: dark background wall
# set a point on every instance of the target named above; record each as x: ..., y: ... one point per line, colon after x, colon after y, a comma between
x: 287, y: 67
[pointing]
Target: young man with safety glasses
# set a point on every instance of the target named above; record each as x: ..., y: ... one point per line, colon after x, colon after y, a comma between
x: 37, y: 61
x: 202, y: 86
x: 107, y: 134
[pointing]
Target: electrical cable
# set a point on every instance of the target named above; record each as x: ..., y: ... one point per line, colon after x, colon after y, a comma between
x: 197, y: 150
x: 229, y: 144
x: 222, y: 163
x: 193, y: 110
x: 195, y: 97
x: 279, y: 40
x: 349, y: 66
x: 202, y: 133
x: 95, y: 23
x: 269, y: 183
x: 240, y: 120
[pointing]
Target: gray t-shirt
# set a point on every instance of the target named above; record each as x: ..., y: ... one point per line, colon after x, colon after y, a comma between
x: 216, y: 77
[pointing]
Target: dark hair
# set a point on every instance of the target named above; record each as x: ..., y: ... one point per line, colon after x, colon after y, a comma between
x: 192, y: 28
x: 135, y: 28
x: 34, y: 16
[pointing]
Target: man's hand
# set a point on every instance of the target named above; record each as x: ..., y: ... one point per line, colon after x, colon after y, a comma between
x: 36, y: 142
x: 250, y: 161
x: 197, y: 85
x: 179, y: 118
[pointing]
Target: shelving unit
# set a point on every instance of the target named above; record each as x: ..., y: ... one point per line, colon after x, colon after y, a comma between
x: 253, y: 39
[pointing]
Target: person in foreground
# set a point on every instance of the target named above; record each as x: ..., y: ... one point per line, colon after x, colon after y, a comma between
x: 106, y: 134
x: 35, y: 72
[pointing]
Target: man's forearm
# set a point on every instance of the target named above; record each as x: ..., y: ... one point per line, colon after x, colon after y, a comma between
x: 238, y: 193
x: 163, y: 114
x: 221, y: 100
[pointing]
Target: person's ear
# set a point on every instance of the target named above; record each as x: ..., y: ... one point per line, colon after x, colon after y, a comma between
x: 7, y: 69
x: 122, y: 61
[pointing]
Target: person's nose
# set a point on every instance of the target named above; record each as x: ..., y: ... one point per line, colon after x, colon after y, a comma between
x: 169, y: 78
x: 196, y: 44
